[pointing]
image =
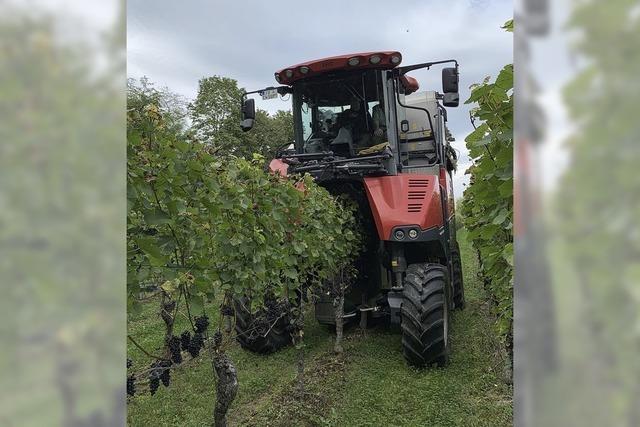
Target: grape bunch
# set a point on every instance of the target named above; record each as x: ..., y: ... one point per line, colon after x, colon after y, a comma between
x: 174, y: 348
x: 201, y: 324
x: 217, y: 339
x: 131, y: 385
x: 159, y: 370
x: 165, y: 375
x: 197, y: 342
x: 185, y: 339
x: 226, y: 310
x: 154, y: 382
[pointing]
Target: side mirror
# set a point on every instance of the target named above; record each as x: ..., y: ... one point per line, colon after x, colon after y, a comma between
x: 451, y: 99
x: 248, y: 114
x: 450, y: 80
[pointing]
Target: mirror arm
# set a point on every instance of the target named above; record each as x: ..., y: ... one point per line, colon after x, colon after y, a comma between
x: 281, y: 90
x: 401, y: 71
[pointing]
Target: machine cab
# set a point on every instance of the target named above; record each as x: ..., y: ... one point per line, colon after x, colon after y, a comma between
x: 355, y: 106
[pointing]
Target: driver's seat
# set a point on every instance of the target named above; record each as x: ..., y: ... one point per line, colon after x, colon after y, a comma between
x: 342, y: 144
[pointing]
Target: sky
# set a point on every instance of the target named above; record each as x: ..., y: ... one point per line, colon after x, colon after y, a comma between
x: 177, y: 43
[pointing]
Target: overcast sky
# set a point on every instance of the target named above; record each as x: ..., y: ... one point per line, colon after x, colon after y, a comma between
x: 176, y: 43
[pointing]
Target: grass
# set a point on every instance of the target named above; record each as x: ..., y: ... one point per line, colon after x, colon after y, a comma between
x: 369, y: 386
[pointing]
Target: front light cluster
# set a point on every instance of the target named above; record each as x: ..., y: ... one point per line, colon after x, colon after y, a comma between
x: 400, y: 234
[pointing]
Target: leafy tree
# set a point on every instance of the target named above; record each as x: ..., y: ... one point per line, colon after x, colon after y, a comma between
x: 215, y: 114
x: 174, y: 106
x: 268, y: 133
x: 216, y: 106
x: 282, y: 128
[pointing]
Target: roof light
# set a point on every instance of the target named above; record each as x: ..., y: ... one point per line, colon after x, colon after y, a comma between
x: 288, y: 73
x: 354, y: 61
x: 277, y: 77
x: 304, y: 69
x: 395, y: 59
x: 375, y: 59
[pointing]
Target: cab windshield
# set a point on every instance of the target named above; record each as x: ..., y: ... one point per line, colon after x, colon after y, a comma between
x: 343, y: 114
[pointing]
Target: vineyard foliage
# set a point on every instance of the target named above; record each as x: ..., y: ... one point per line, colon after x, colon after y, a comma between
x: 203, y: 225
x: 487, y: 205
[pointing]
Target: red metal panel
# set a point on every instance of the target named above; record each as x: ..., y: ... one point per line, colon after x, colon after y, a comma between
x: 410, y: 84
x: 404, y: 199
x: 335, y: 63
x: 278, y: 166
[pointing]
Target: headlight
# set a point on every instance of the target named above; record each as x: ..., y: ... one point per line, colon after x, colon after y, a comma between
x: 399, y: 234
x: 413, y: 233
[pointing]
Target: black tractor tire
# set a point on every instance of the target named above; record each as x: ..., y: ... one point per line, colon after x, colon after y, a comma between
x: 457, y: 280
x: 258, y: 335
x: 425, y: 315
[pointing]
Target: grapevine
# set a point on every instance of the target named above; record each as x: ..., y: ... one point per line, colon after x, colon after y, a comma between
x: 201, y: 227
x: 487, y: 206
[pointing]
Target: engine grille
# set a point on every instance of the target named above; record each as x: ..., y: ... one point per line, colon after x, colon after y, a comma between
x: 416, y: 194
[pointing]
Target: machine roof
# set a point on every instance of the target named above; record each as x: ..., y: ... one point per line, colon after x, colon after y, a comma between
x: 337, y: 63
x: 363, y: 60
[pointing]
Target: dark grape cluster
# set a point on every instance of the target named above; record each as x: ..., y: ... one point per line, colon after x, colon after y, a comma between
x: 226, y: 310
x: 197, y: 342
x: 217, y: 339
x: 174, y: 348
x: 154, y: 383
x: 165, y: 375
x: 160, y: 371
x: 185, y: 339
x: 201, y: 324
x: 131, y: 385
x: 131, y: 380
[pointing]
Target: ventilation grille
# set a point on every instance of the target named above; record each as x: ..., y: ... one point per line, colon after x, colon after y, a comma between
x: 416, y: 195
